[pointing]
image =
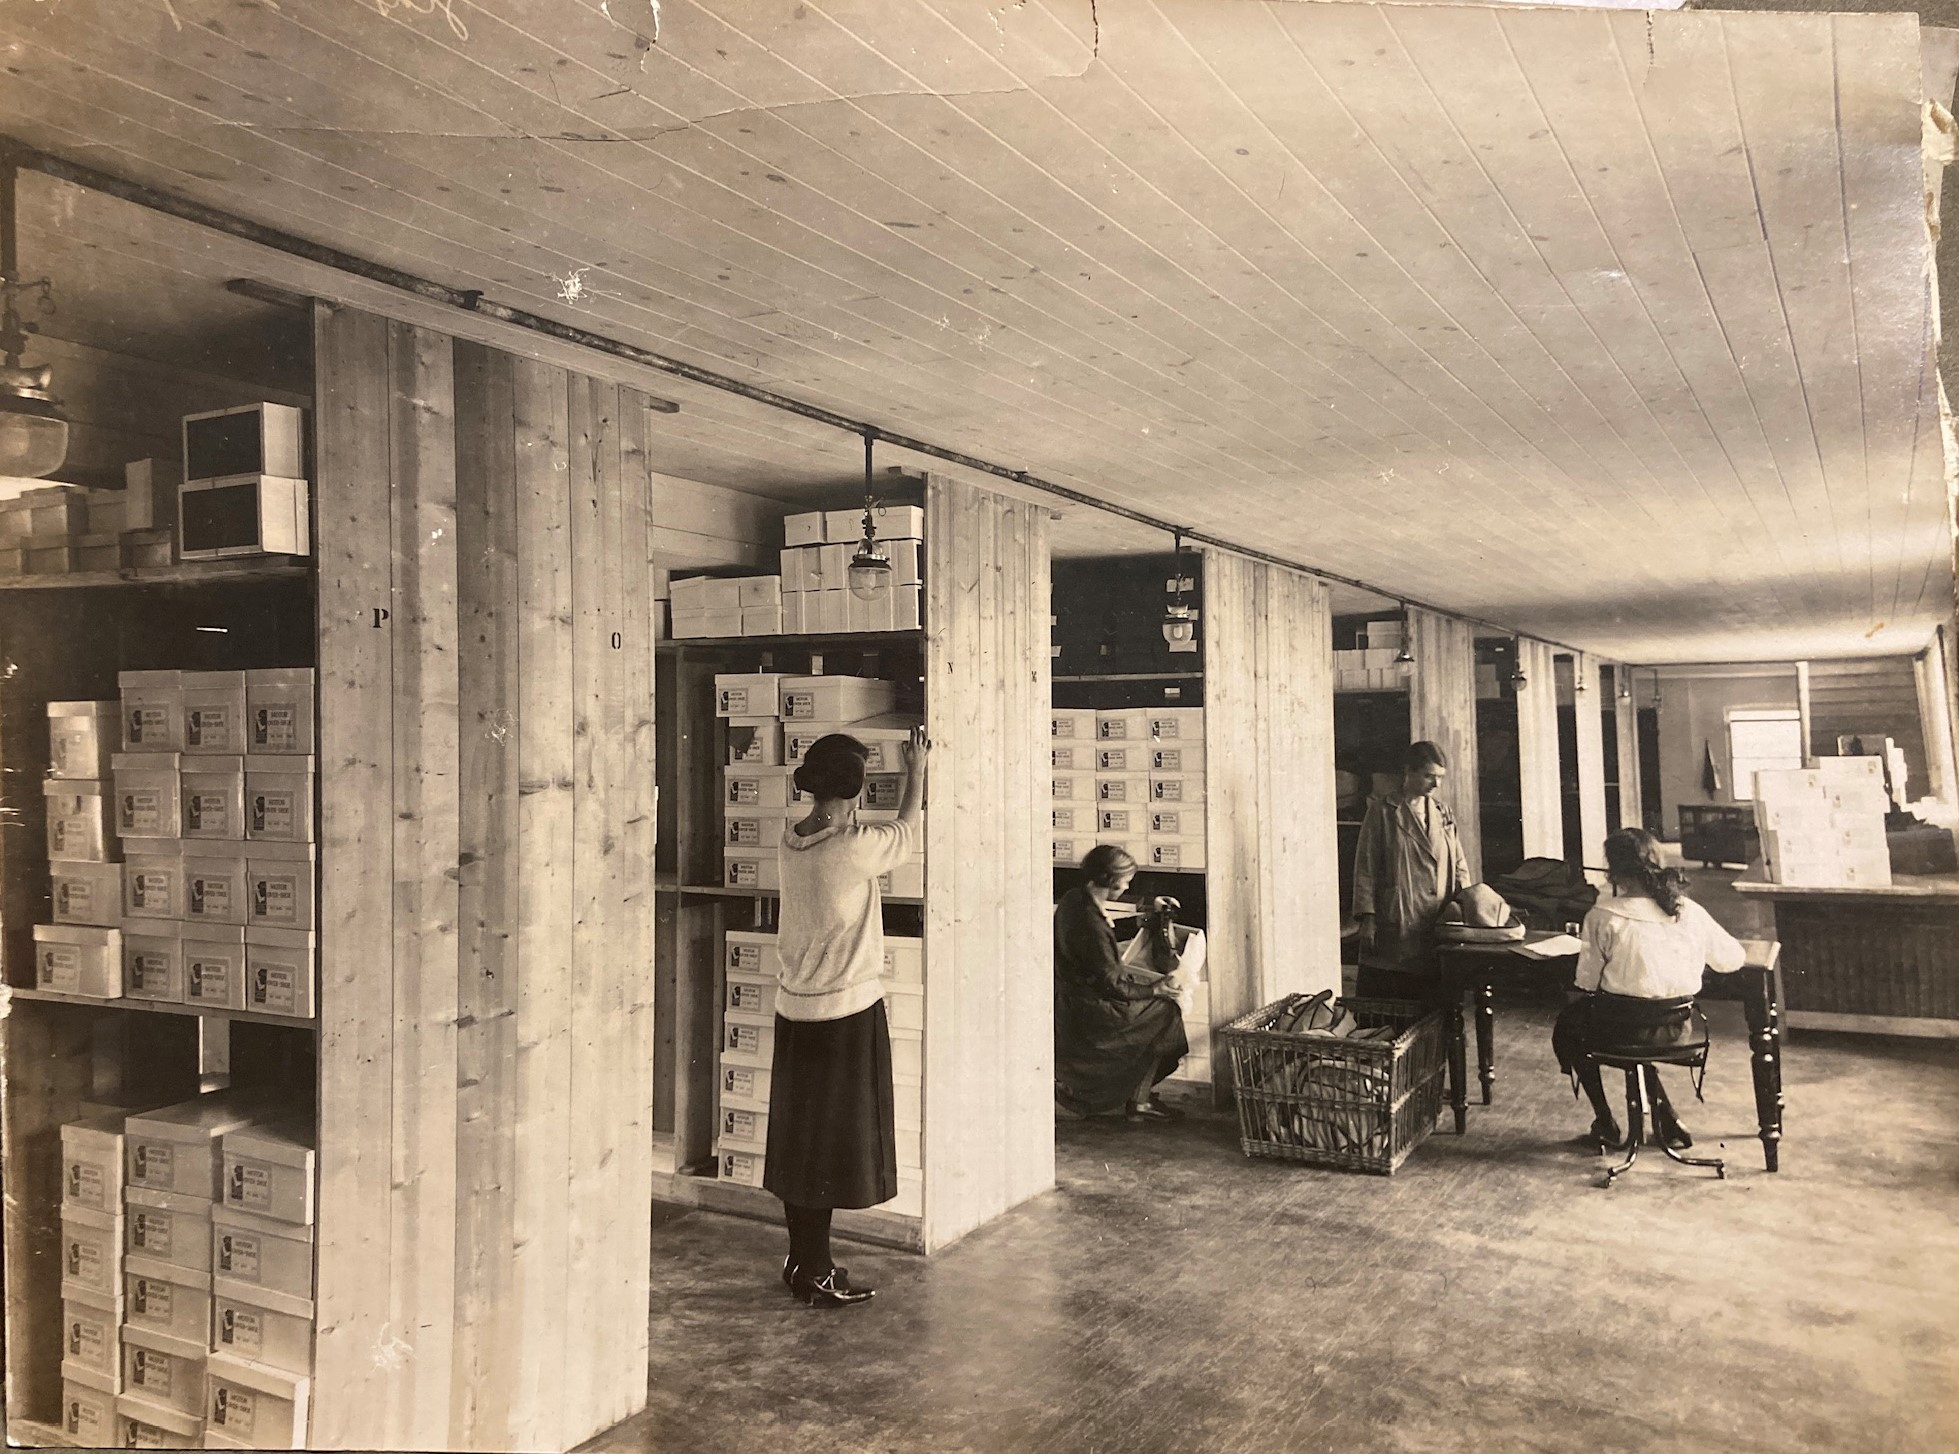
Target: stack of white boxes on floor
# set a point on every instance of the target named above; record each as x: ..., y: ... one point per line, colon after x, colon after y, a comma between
x: 91, y: 1279
x: 1371, y: 667
x: 213, y: 803
x: 721, y: 606
x: 1823, y: 827
x: 817, y: 548
x: 81, y: 953
x: 1133, y: 778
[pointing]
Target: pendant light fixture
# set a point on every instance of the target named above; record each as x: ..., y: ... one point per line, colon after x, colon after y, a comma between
x: 33, y: 430
x: 1404, y: 657
x: 1578, y: 675
x: 1624, y: 674
x: 870, y: 568
x: 1179, y: 621
x: 1517, y: 678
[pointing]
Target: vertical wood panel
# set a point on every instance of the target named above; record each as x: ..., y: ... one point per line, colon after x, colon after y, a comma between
x: 1587, y: 707
x: 423, y: 1114
x: 1626, y: 720
x: 1935, y: 721
x: 355, y: 1349
x: 1271, y: 841
x: 1442, y: 710
x: 1537, y: 750
x: 545, y: 916
x: 486, y: 1346
x: 989, y: 978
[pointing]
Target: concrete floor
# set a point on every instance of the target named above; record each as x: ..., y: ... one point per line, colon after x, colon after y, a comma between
x: 1171, y: 1295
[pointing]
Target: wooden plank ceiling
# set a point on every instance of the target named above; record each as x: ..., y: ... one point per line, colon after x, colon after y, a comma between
x: 1610, y: 325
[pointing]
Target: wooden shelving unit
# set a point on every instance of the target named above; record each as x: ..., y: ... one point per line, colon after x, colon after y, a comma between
x: 153, y: 1007
x: 188, y: 573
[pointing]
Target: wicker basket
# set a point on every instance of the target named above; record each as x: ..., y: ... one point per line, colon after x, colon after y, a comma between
x: 1359, y: 1104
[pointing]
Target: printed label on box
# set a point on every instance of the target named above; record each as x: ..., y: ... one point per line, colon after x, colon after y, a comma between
x: 241, y: 1329
x: 250, y: 1185
x: 238, y: 1255
x: 1113, y: 820
x: 883, y: 792
x: 208, y: 979
x: 208, y: 727
x: 61, y: 968
x: 800, y: 706
x: 1113, y: 791
x: 140, y: 1435
x: 1062, y: 726
x: 1167, y: 790
x: 745, y: 791
x: 88, y: 1340
x: 1174, y: 823
x: 150, y: 889
x: 148, y: 724
x: 745, y: 957
x: 74, y: 899
x: 151, y: 1370
x: 62, y: 830
x: 87, y: 1186
x: 745, y: 832
x: 745, y: 1039
x: 153, y: 1161
x: 275, y: 727
x: 742, y: 1125
x: 275, y: 987
x: 274, y: 812
x: 151, y: 1232
x: 275, y: 896
x: 235, y: 1409
x: 207, y: 897
x: 139, y: 812
x: 84, y: 1420
x: 1112, y: 729
x: 737, y: 1082
x: 152, y: 971
x: 744, y: 873
x: 1070, y: 759
x: 734, y: 703
x: 87, y: 1262
x: 208, y: 813
x: 150, y: 1300
x: 1113, y: 759
x: 746, y: 996
x: 1169, y: 759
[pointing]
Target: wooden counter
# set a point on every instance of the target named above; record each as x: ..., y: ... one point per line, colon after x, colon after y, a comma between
x: 1878, y: 960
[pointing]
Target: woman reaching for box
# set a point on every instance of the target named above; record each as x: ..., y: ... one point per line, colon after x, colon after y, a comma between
x: 831, y: 1139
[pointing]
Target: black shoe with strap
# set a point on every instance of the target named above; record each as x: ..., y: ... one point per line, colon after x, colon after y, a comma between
x: 832, y: 1290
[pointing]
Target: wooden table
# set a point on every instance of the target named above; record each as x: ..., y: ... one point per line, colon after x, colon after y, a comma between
x: 1474, y: 967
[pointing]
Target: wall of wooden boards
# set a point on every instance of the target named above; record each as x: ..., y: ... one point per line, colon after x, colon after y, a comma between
x: 1537, y: 750
x: 1587, y: 706
x: 487, y: 895
x: 1935, y: 723
x: 1442, y: 710
x: 1626, y: 719
x: 1272, y: 847
x: 989, y: 964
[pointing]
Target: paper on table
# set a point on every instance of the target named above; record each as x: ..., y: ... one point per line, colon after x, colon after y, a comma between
x: 1552, y: 948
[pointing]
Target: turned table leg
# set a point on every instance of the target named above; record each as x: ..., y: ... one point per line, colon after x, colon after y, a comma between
x: 1486, y: 1036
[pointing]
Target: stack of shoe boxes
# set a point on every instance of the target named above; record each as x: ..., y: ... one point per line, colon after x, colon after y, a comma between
x: 721, y: 606
x: 1174, y: 829
x: 1371, y: 665
x: 1823, y: 827
x: 817, y: 550
x: 1073, y: 755
x: 244, y: 488
x: 91, y: 1278
x: 81, y: 952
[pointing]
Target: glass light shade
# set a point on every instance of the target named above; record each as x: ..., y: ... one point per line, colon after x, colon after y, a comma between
x: 870, y: 573
x: 1518, y: 679
x: 1178, y: 627
x: 1404, y: 657
x: 33, y: 431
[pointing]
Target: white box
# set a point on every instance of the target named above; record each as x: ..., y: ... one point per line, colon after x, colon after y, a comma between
x: 1071, y: 851
x: 152, y: 711
x: 907, y: 1062
x: 159, y: 1297
x: 268, y: 1171
x: 177, y: 1148
x: 215, y: 887
x: 1073, y: 757
x: 150, y: 493
x: 825, y: 613
x: 214, y: 966
x: 883, y: 736
x: 795, y: 570
x: 1174, y: 822
x: 250, y: 1407
x: 161, y: 1226
x: 88, y: 1399
x: 721, y: 624
x: 1176, y: 725
x: 741, y: 1167
x: 279, y: 971
x: 762, y: 620
x: 687, y: 594
x: 904, y: 1007
x: 1168, y: 788
x: 91, y: 1164
x: 91, y: 1253
x: 760, y: 591
x: 1132, y: 788
x: 751, y: 994
x: 214, y: 711
x: 743, y: 1128
x: 1073, y: 820
x: 76, y: 959
x: 759, y: 833
x: 755, y: 787
x: 687, y: 625
x: 153, y: 963
x: 247, y: 439
x: 795, y: 613
x: 1121, y: 823
x: 81, y: 821
x: 1112, y: 759
x: 748, y: 869
x: 279, y: 880
x: 279, y: 799
x: 874, y: 614
x: 82, y: 737
x: 87, y: 893
x: 214, y: 795
x: 904, y: 959
x: 836, y: 698
x: 149, y: 795
x: 244, y: 514
x: 748, y: 952
x: 1129, y: 725
x: 262, y: 1253
x: 1072, y: 727
x: 1180, y: 757
x: 892, y: 522
x: 754, y: 696
x: 745, y: 1085
x: 279, y: 711
x: 1074, y: 788
x: 163, y: 1370
x: 883, y: 793
x: 803, y: 529
x: 907, y: 608
x: 1175, y: 853
x: 142, y: 1423
x: 264, y: 1327
x: 827, y: 567
x: 153, y: 879
x: 745, y: 1044
x: 906, y: 881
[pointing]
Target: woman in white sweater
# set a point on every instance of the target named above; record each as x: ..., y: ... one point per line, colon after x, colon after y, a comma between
x: 831, y: 1138
x: 1643, y: 951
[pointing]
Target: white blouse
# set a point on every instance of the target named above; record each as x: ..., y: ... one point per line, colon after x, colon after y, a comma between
x: 1631, y: 946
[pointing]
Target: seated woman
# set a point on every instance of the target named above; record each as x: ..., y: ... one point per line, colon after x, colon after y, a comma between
x: 1643, y: 951
x: 1117, y: 1028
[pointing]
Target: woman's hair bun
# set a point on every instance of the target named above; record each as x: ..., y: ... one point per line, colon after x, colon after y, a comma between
x: 833, y: 767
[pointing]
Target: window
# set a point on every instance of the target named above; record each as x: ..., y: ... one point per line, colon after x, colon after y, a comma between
x: 1762, y: 738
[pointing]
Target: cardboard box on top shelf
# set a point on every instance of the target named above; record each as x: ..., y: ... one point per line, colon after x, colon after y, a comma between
x: 762, y: 620
x: 758, y: 591
x: 805, y: 528
x: 279, y: 710
x: 884, y: 735
x: 795, y: 613
x: 892, y: 522
x: 749, y: 695
x: 842, y: 699
x: 795, y: 563
x: 268, y: 1170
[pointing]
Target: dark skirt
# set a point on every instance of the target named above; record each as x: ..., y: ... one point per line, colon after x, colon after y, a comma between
x: 831, y: 1141
x: 1602, y: 1024
x: 1103, y: 1049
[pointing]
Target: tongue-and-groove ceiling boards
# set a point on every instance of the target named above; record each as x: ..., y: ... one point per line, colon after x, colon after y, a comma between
x: 1613, y: 326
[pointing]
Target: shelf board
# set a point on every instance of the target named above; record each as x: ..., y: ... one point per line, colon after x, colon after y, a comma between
x: 839, y: 640
x: 1133, y: 676
x: 1141, y: 869
x: 154, y: 1007
x: 190, y: 572
x: 722, y: 891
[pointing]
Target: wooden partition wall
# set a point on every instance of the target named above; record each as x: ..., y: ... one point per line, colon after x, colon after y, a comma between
x: 1273, y: 879
x: 1537, y: 750
x: 989, y: 1032
x: 1442, y: 710
x: 486, y: 745
x: 1588, y: 706
x: 1626, y: 718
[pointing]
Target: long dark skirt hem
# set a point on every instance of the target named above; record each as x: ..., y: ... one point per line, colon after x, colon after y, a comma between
x: 831, y: 1140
